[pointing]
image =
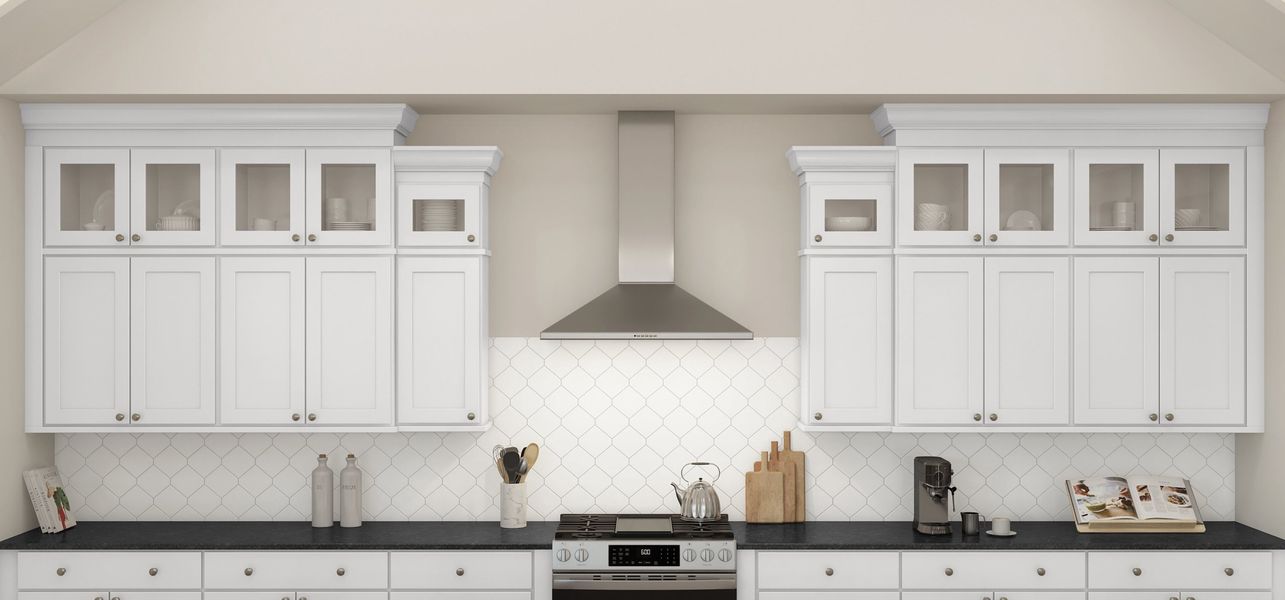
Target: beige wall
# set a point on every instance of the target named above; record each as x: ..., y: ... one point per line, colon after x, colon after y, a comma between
x: 18, y: 450
x: 553, y: 206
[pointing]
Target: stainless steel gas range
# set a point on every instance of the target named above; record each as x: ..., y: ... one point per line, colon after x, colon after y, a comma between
x: 631, y: 557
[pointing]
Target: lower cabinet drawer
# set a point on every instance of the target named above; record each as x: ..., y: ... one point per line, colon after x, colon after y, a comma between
x: 982, y: 595
x: 828, y: 596
x: 461, y: 596
x: 112, y: 596
x: 827, y: 570
x: 264, y: 595
x: 109, y: 570
x: 340, y: 596
x: 461, y: 570
x: 992, y: 571
x: 1181, y: 571
x: 296, y: 570
x: 1180, y: 596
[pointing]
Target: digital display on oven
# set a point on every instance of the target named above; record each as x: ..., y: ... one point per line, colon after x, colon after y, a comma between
x: 642, y: 556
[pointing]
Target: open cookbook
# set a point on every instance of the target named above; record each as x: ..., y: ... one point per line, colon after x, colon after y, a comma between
x: 1134, y: 504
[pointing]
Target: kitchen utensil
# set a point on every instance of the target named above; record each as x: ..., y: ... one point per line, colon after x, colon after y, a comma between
x: 932, y: 217
x: 796, y: 458
x: 499, y: 466
x: 972, y: 522
x: 933, y: 493
x: 788, y: 497
x: 530, y: 454
x: 764, y: 494
x: 847, y: 223
x: 1001, y: 526
x: 699, y: 500
x: 1023, y: 220
x: 512, y: 460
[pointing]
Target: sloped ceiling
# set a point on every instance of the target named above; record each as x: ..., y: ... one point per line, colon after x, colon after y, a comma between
x: 1255, y: 28
x: 30, y: 29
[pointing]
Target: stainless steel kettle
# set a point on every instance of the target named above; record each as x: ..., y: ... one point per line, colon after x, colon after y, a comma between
x: 699, y: 500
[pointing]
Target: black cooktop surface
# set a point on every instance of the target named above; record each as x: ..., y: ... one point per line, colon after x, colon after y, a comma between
x: 615, y: 527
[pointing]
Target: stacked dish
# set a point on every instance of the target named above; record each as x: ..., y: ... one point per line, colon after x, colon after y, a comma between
x: 438, y: 215
x: 178, y: 223
x: 350, y: 226
x: 932, y: 217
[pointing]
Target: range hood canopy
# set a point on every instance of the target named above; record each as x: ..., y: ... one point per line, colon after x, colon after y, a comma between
x: 646, y: 304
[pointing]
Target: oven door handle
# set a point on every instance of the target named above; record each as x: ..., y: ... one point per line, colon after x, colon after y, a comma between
x: 660, y: 584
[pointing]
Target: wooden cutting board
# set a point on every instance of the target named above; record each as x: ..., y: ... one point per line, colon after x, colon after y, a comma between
x: 796, y: 458
x: 788, y: 498
x: 764, y: 495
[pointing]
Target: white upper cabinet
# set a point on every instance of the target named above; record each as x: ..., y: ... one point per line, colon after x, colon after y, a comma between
x: 172, y: 341
x: 1117, y: 340
x: 848, y: 214
x: 349, y: 196
x: 440, y: 214
x: 847, y: 319
x: 86, y: 200
x: 939, y: 340
x: 86, y: 340
x: 261, y: 196
x: 172, y: 196
x: 261, y: 346
x: 441, y: 341
x: 941, y: 196
x: 1028, y: 341
x: 1117, y: 199
x: 350, y: 340
x: 1202, y: 196
x: 1028, y: 200
x: 1202, y: 340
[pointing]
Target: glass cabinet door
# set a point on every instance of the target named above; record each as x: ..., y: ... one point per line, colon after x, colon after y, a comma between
x: 172, y: 197
x: 849, y: 215
x: 1202, y: 196
x: 261, y: 196
x: 940, y: 193
x: 349, y: 200
x: 1116, y: 197
x: 440, y: 215
x: 1028, y: 197
x: 86, y: 197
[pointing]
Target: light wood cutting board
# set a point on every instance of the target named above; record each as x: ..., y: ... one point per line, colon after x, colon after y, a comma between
x: 796, y: 458
x: 764, y: 495
x: 788, y: 497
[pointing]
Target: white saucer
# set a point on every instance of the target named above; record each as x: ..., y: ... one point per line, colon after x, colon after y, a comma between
x: 1009, y: 534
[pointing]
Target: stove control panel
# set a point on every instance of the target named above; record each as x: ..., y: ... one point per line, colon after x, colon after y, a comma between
x: 644, y: 554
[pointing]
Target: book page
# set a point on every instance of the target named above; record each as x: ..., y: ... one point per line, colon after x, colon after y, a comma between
x: 1102, y: 499
x: 1163, y: 497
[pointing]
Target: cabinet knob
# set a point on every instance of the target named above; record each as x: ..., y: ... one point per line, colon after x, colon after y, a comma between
x: 472, y: 416
x: 136, y: 237
x: 1168, y: 416
x: 1155, y: 417
x: 1229, y: 571
x: 1137, y: 572
x: 460, y: 571
x: 61, y: 571
x: 1153, y: 237
x: 303, y: 598
x: 312, y: 416
x: 829, y: 572
x: 1174, y: 598
x: 101, y: 598
x: 1003, y: 598
x: 977, y: 417
x: 949, y: 571
x: 312, y: 237
x: 1040, y: 571
x: 340, y: 571
x: 288, y: 598
x: 294, y: 237
x: 816, y: 417
x: 472, y: 238
x: 120, y: 237
x: 249, y: 571
x: 153, y: 571
x: 115, y: 597
x: 994, y: 417
x: 1168, y: 237
x: 977, y: 237
x: 818, y: 237
x: 295, y: 417
x: 994, y: 238
x: 135, y: 417
x: 120, y: 417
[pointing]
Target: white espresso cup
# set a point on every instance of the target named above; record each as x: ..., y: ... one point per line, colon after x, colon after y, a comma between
x: 1001, y: 526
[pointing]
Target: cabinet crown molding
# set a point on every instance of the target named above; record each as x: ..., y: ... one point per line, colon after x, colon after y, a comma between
x: 447, y: 158
x: 889, y: 118
x: 333, y: 117
x: 841, y: 158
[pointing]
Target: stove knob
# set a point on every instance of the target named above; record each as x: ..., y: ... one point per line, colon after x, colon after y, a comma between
x: 582, y: 555
x: 725, y: 555
x: 707, y: 555
x: 564, y: 555
x: 689, y: 555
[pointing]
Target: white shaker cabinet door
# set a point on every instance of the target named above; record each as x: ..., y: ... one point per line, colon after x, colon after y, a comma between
x: 261, y: 366
x: 1202, y: 340
x: 350, y: 345
x: 172, y: 341
x: 86, y: 340
x: 1027, y: 341
x: 939, y: 341
x: 848, y: 350
x: 441, y: 340
x: 1116, y: 340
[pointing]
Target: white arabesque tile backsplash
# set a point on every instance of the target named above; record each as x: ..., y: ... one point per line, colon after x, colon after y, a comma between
x: 616, y: 421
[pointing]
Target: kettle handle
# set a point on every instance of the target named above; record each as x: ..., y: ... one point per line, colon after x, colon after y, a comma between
x: 682, y: 474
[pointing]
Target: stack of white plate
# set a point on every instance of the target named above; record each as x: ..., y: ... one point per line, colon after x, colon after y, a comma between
x: 438, y: 215
x: 932, y: 217
x: 351, y: 226
x: 178, y: 223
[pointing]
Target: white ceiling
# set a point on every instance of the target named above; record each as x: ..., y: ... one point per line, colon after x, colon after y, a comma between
x: 30, y: 29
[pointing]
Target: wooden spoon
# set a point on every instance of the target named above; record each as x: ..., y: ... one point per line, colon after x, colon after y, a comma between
x: 530, y: 454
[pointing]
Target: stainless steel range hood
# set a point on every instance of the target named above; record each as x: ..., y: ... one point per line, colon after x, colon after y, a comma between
x: 646, y: 304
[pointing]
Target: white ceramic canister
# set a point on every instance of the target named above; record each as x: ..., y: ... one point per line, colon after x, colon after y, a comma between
x: 512, y: 505
x: 350, y: 494
x: 323, y: 494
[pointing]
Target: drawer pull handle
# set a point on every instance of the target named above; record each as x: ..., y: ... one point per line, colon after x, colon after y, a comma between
x: 249, y: 571
x: 61, y: 571
x: 829, y: 572
x: 153, y: 571
x: 1229, y: 571
x: 340, y: 571
x: 1040, y: 571
x: 1137, y: 572
x: 459, y: 571
x: 949, y: 571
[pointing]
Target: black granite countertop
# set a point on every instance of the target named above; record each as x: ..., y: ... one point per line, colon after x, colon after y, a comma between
x: 487, y: 535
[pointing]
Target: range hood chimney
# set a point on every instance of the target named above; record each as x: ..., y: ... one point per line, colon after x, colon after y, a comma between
x: 646, y: 304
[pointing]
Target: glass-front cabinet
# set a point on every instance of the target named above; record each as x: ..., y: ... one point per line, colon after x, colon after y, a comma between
x: 1116, y: 197
x: 440, y: 215
x: 941, y: 191
x: 172, y: 197
x: 1202, y: 196
x: 349, y: 198
x: 1027, y: 197
x: 86, y: 196
x: 261, y: 196
x: 848, y: 214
